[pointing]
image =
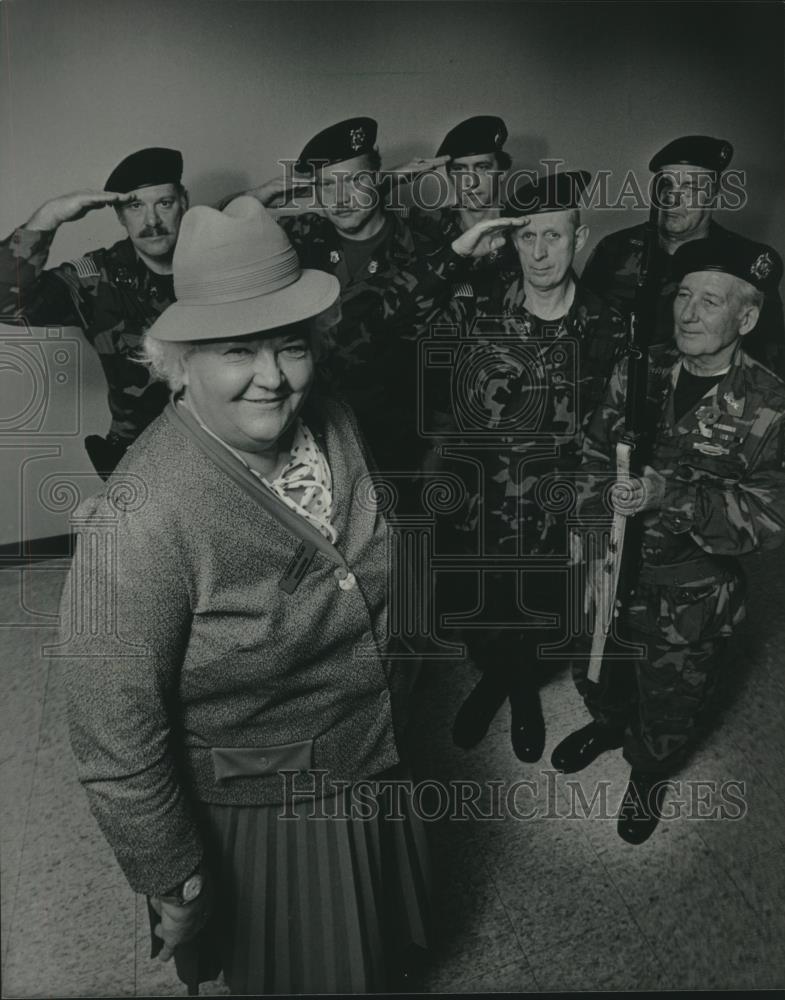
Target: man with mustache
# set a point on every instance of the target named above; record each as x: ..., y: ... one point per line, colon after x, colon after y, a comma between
x: 687, y: 182
x: 113, y: 295
x: 394, y: 277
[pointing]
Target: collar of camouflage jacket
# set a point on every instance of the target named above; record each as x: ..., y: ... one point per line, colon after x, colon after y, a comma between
x: 319, y: 245
x: 126, y: 267
x: 513, y: 300
x: 729, y: 394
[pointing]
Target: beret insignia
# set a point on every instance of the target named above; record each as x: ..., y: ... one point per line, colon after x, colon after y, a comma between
x: 341, y: 141
x: 699, y: 150
x: 762, y: 265
x: 756, y: 263
x: 357, y: 138
x: 479, y: 134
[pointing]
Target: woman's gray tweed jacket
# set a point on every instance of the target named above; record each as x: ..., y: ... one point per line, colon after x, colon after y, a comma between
x: 191, y: 676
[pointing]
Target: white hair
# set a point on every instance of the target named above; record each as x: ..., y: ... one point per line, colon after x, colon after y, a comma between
x: 165, y: 358
x: 748, y: 295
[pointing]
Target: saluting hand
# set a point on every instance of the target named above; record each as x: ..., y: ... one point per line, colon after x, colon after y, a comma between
x: 485, y: 237
x: 406, y: 172
x: 70, y: 207
x: 277, y: 191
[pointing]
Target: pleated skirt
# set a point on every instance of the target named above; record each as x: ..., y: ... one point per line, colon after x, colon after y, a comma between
x: 326, y: 904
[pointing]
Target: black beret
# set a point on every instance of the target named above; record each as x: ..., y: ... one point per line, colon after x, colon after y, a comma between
x: 756, y: 263
x: 481, y: 134
x: 342, y: 141
x: 699, y: 150
x: 556, y: 192
x: 145, y: 168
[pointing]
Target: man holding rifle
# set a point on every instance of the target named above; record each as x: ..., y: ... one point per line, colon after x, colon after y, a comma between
x: 712, y: 488
x: 691, y: 182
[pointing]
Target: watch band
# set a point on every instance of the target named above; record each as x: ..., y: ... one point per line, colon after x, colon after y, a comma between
x: 187, y: 891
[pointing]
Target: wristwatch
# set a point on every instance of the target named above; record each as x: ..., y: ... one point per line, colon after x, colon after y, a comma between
x: 186, y: 892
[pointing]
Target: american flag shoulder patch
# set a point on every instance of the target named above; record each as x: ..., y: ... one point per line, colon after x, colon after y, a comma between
x: 85, y: 267
x: 462, y: 290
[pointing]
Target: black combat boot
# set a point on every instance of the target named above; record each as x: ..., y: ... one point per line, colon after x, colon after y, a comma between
x: 641, y: 807
x: 477, y: 712
x: 580, y: 748
x: 527, y: 726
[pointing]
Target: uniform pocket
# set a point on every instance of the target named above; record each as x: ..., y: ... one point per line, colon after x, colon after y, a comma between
x: 690, y: 612
x: 712, y: 465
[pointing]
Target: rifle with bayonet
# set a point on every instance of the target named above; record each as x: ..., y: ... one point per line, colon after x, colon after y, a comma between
x: 622, y: 553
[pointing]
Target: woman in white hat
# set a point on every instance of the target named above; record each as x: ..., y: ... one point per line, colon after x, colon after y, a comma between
x: 228, y: 670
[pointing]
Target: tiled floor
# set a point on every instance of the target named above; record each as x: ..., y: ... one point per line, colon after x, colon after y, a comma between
x: 552, y: 902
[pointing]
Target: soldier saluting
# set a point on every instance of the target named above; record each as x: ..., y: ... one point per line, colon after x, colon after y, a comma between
x: 394, y: 276
x: 714, y: 489
x: 540, y: 349
x: 112, y: 294
x: 687, y: 179
x: 476, y: 166
x: 476, y: 163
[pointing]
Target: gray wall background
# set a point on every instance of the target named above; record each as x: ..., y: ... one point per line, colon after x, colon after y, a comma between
x: 237, y: 85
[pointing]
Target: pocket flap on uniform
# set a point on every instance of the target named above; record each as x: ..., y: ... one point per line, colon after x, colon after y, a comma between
x: 253, y: 762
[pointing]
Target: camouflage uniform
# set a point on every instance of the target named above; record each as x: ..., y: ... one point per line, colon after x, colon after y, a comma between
x: 725, y: 497
x: 612, y: 272
x: 372, y: 357
x: 549, y: 374
x: 111, y: 296
x: 532, y: 385
x: 442, y: 226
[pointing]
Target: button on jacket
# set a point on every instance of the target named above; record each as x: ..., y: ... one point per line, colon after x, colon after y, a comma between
x: 191, y: 675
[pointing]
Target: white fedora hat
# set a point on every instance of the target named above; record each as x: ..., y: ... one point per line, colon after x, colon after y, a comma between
x: 235, y: 273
